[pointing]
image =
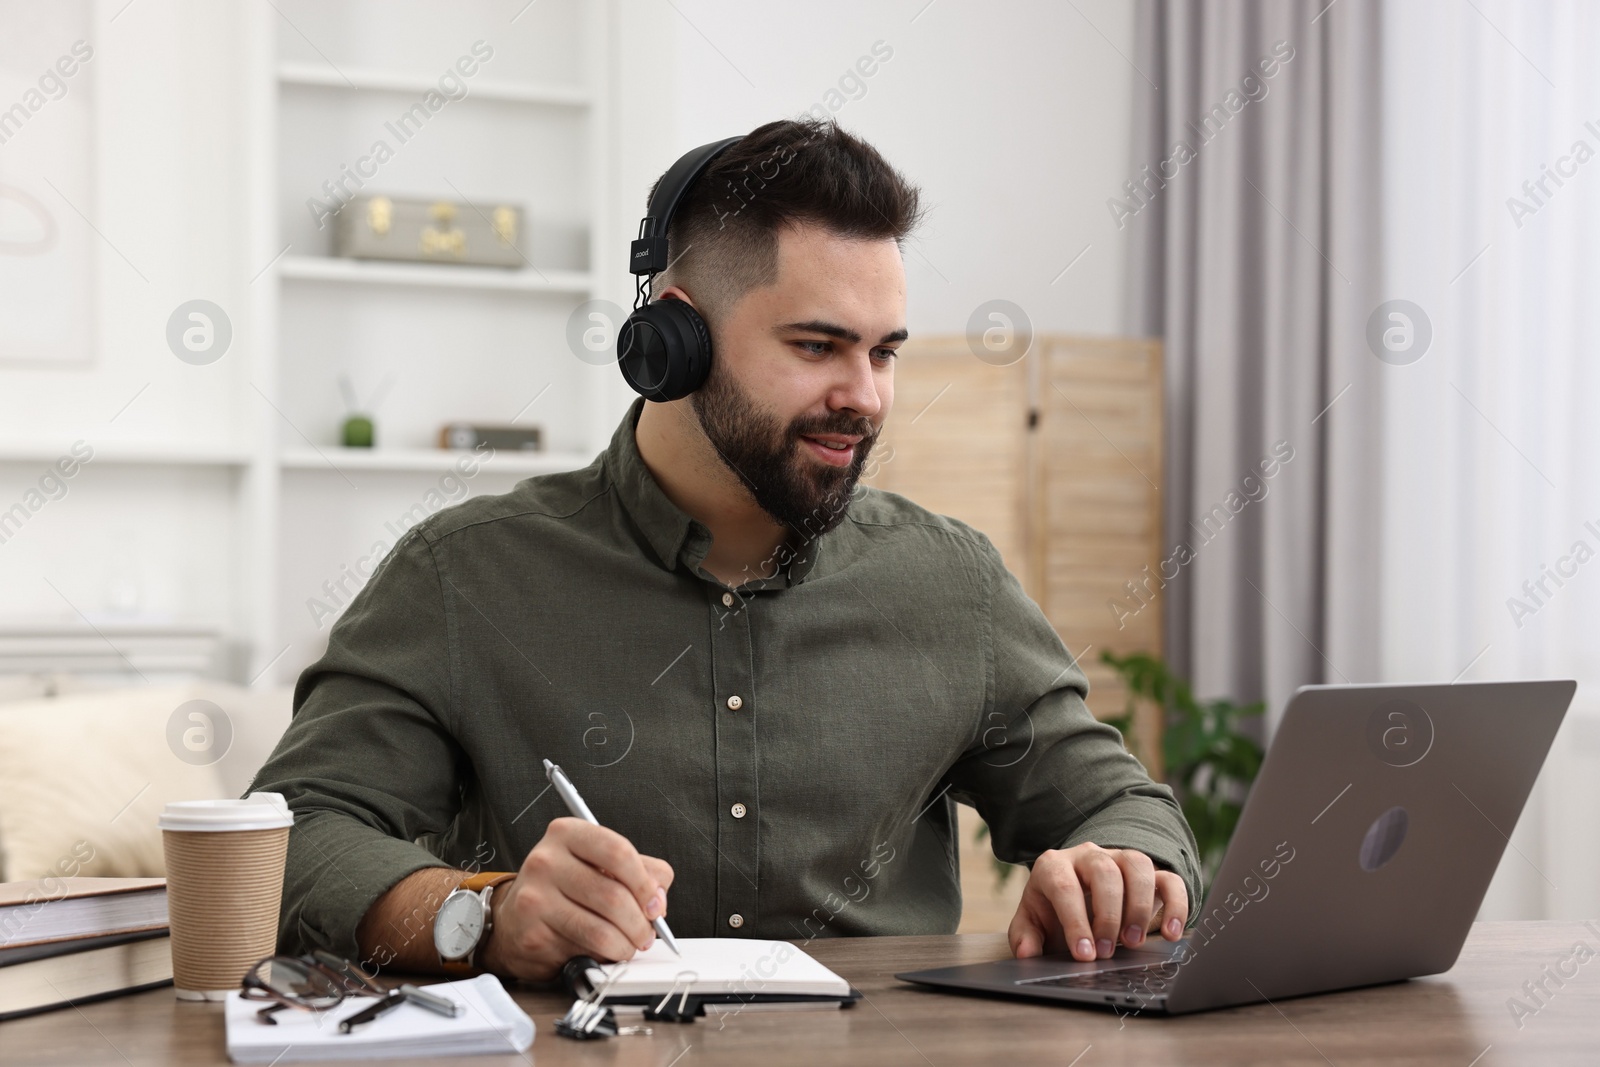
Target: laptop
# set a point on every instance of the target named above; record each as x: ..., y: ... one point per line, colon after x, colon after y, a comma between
x: 1361, y: 857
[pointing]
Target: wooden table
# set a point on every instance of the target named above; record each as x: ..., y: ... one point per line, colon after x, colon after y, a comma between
x: 1461, y: 1019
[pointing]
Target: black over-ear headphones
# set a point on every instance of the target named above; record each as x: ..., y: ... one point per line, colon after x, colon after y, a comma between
x: 664, y: 348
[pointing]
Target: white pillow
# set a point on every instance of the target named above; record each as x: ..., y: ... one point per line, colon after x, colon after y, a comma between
x: 84, y: 776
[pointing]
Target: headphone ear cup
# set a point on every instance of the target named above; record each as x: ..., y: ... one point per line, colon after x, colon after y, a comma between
x: 698, y: 366
x: 664, y: 350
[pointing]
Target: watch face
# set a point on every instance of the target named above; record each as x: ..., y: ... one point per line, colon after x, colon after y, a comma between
x: 459, y: 925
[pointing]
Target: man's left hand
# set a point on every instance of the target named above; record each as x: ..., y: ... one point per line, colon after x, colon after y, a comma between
x: 1086, y: 898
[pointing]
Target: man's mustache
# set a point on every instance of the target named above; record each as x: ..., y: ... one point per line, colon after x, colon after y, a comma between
x: 843, y: 424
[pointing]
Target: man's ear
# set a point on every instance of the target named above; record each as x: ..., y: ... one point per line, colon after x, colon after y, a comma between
x: 674, y: 292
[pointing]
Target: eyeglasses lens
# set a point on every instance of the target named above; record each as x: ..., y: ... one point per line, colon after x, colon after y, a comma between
x: 293, y: 979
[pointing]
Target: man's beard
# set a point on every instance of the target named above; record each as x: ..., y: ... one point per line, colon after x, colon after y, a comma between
x: 764, y: 455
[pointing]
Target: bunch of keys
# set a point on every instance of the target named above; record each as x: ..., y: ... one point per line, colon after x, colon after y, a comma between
x: 588, y: 1018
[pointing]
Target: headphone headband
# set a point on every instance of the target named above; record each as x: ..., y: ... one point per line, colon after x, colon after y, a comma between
x: 648, y: 254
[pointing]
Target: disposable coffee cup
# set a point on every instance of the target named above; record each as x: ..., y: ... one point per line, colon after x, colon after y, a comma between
x: 224, y: 887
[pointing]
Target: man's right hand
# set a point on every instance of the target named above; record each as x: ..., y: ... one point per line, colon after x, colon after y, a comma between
x: 582, y: 891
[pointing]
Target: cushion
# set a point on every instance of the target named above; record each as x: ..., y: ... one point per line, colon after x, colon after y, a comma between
x: 84, y: 776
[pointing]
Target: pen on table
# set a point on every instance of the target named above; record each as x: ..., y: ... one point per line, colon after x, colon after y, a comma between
x: 393, y: 1000
x: 569, y: 797
x: 432, y: 1001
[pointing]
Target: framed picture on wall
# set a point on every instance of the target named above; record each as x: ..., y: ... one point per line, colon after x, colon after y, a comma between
x: 47, y: 243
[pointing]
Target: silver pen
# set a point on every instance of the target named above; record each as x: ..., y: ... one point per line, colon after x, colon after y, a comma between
x: 432, y: 1001
x: 569, y: 796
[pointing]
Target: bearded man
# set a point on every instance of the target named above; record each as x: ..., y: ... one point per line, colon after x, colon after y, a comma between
x: 771, y: 684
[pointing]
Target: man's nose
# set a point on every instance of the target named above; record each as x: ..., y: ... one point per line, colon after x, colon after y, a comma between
x: 857, y: 389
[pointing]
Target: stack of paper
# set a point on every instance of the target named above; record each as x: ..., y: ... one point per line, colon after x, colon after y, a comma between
x: 492, y: 1022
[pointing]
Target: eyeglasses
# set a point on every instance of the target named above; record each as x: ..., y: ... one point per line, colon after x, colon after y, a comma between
x: 313, y: 983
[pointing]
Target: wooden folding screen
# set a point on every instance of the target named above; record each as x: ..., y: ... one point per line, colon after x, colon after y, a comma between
x: 1057, y: 458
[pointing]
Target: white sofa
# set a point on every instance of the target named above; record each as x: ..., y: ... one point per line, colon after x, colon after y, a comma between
x: 89, y: 771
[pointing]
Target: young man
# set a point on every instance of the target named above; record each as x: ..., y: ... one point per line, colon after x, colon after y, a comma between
x: 770, y: 684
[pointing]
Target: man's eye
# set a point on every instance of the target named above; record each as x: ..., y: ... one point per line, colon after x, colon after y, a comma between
x: 815, y: 348
x: 887, y: 353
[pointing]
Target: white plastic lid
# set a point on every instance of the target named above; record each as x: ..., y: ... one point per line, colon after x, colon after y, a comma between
x: 258, y: 811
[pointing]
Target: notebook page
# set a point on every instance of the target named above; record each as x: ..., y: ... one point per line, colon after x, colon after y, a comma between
x: 723, y: 965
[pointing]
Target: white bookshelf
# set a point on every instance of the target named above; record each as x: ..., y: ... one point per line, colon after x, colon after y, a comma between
x: 436, y: 276
x: 386, y: 81
x: 129, y: 455
x: 218, y: 493
x: 460, y: 343
x: 335, y: 458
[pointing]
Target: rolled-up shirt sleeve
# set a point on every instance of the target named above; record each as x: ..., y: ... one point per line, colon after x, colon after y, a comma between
x: 1042, y: 771
x: 368, y: 763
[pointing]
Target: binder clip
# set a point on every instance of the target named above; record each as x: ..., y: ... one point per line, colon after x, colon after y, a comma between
x: 588, y: 1018
x: 677, y: 1007
x: 587, y: 1022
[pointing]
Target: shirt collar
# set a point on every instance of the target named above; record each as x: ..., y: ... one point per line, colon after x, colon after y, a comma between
x: 672, y: 534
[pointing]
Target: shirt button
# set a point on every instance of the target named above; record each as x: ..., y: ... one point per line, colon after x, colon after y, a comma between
x: 727, y: 600
x: 739, y: 810
x: 735, y: 702
x: 736, y: 920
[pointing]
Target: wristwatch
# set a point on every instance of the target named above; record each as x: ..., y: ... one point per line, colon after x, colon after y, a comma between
x: 462, y: 925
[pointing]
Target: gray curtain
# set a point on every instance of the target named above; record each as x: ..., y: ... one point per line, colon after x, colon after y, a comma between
x: 1254, y: 252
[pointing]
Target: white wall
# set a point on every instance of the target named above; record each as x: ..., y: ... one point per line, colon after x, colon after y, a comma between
x: 168, y: 208
x: 167, y: 204
x: 1014, y: 119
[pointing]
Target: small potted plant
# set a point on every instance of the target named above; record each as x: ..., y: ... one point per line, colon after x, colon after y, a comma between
x: 357, y: 430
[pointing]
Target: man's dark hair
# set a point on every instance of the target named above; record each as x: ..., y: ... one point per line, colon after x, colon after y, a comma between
x: 724, y: 237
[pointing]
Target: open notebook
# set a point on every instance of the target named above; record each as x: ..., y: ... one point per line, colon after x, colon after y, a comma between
x: 491, y: 1023
x: 726, y: 969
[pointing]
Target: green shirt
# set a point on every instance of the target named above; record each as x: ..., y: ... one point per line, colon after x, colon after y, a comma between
x: 794, y: 748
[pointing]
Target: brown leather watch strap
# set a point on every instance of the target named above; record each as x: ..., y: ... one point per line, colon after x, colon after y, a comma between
x: 476, y: 883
